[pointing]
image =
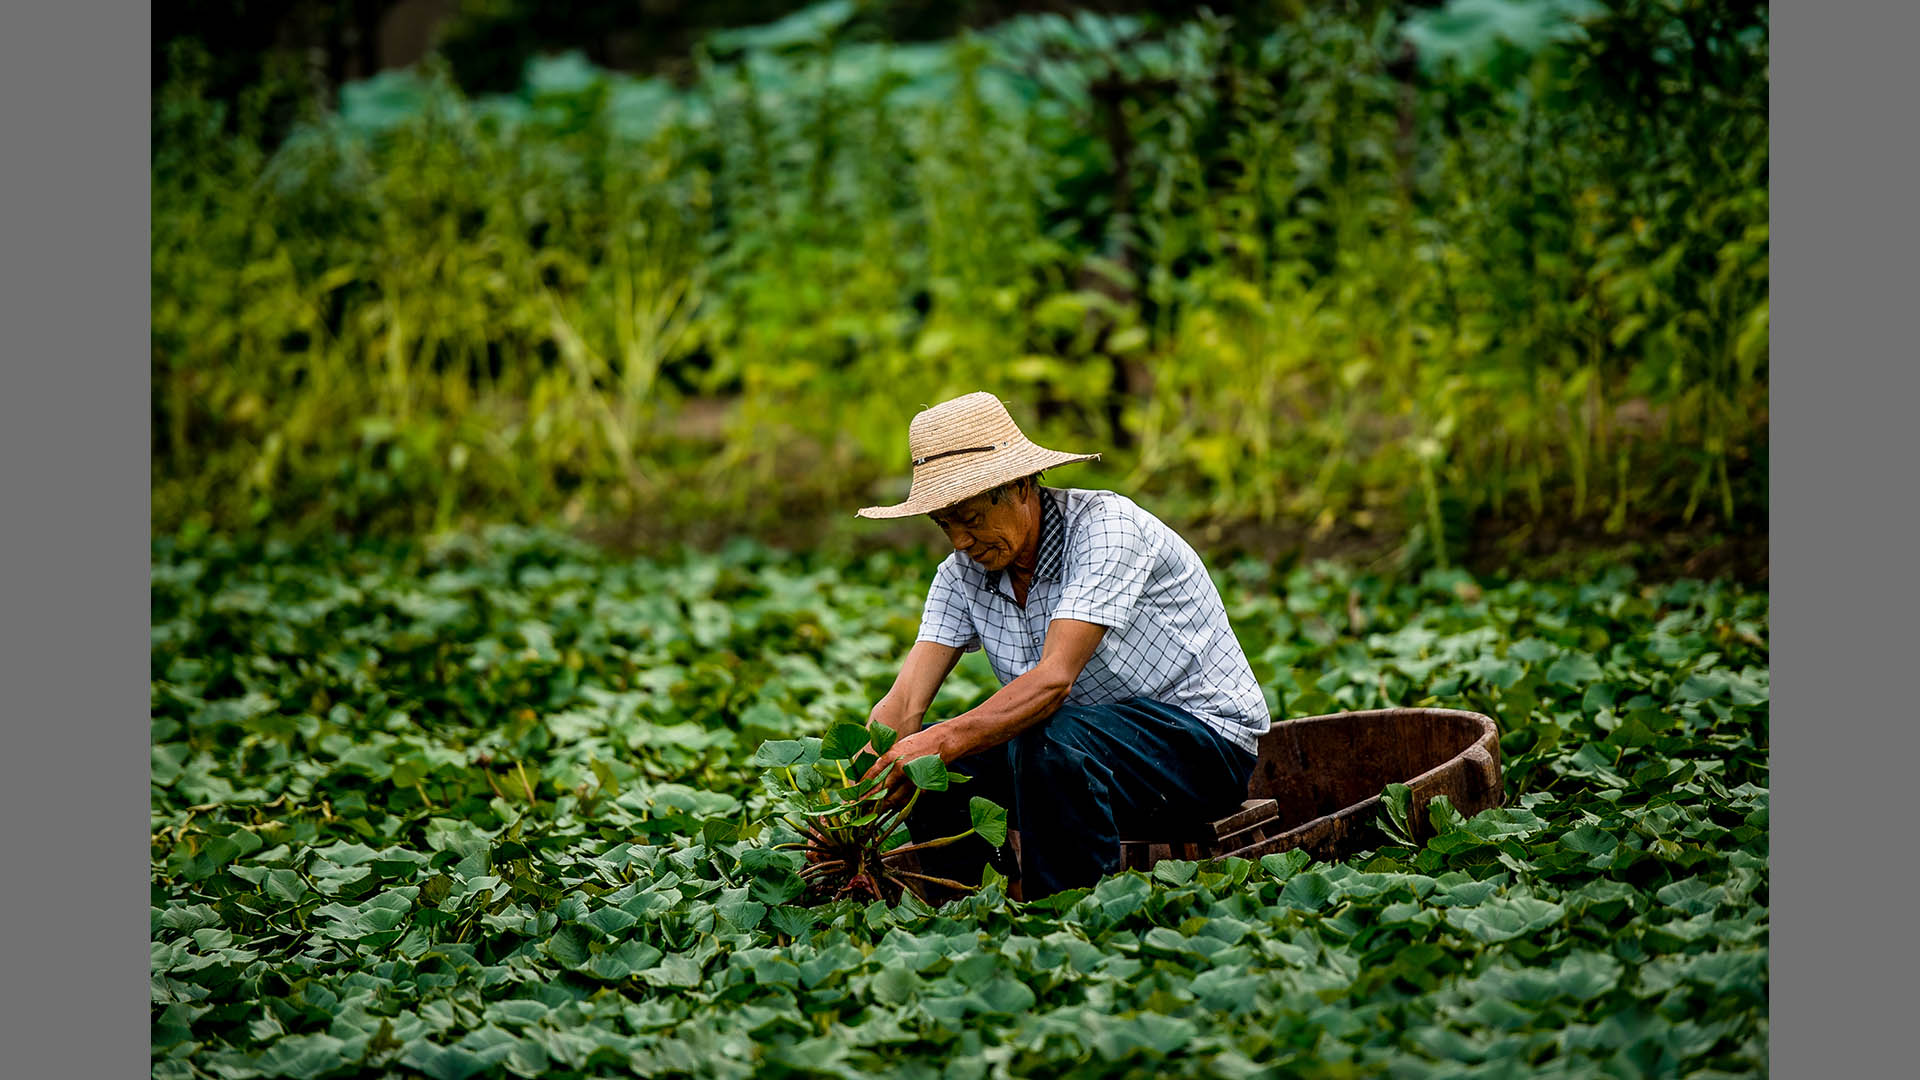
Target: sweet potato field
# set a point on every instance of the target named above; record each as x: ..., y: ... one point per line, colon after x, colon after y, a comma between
x: 488, y: 807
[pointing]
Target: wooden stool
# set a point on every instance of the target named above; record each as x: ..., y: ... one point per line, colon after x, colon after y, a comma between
x: 1255, y: 821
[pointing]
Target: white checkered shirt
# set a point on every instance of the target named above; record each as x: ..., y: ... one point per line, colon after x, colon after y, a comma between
x: 1105, y: 560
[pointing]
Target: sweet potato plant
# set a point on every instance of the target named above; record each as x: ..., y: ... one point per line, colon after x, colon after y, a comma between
x: 854, y: 837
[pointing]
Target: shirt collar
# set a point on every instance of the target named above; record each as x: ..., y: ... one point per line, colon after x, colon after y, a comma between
x: 1053, y: 538
x: 1053, y: 546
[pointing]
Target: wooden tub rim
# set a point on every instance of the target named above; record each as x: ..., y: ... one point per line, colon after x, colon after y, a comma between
x: 1487, y: 742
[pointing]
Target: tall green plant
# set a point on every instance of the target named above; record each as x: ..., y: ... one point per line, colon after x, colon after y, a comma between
x: 1360, y: 267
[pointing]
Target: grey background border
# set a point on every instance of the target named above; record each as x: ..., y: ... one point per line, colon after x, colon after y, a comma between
x: 73, y: 610
x: 1843, y: 250
x: 74, y: 442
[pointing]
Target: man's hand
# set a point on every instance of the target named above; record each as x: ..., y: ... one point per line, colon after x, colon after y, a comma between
x: 937, y: 739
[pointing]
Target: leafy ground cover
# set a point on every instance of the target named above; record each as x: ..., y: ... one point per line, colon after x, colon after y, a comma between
x: 485, y: 807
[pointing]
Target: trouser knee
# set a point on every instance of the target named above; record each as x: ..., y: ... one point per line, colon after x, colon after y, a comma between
x: 1055, y: 749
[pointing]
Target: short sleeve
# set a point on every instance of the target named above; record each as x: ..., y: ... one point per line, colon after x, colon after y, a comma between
x: 1109, y: 560
x: 946, y: 619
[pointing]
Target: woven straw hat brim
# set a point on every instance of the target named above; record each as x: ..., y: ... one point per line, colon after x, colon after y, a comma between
x: 936, y: 488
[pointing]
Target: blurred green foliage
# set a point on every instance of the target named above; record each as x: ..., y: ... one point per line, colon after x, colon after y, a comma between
x: 1368, y: 264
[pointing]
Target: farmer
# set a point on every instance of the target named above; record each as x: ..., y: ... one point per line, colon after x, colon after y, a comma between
x: 1126, y: 706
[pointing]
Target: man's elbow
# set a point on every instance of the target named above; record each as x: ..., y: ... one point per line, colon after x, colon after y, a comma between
x: 1055, y: 683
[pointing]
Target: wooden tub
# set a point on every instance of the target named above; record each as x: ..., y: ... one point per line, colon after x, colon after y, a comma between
x: 1323, y: 775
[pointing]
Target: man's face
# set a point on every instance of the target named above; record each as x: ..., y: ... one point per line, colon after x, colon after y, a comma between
x: 989, y: 534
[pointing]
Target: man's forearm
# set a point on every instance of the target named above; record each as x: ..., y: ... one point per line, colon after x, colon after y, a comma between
x: 897, y: 713
x: 1017, y: 706
x: 905, y: 705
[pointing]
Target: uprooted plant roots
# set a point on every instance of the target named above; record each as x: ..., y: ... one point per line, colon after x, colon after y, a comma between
x: 845, y: 827
x: 856, y: 868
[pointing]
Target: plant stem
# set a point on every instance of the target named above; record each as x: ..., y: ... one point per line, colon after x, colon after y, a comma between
x: 886, y: 824
x: 814, y: 834
x: 942, y: 842
x: 948, y: 882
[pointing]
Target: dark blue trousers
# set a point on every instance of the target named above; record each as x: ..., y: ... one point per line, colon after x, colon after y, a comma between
x: 1076, y: 783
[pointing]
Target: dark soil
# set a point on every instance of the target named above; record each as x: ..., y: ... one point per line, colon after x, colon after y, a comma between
x: 1657, y: 543
x: 1493, y: 546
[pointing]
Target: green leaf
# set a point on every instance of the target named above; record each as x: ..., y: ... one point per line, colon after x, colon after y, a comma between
x: 894, y: 985
x: 1692, y: 895
x: 1227, y: 989
x: 304, y: 1057
x: 1504, y: 919
x: 1283, y: 865
x: 443, y: 1062
x: 1703, y: 687
x: 881, y: 736
x: 1463, y: 894
x: 1396, y: 800
x: 1175, y: 871
x: 775, y: 753
x: 1531, y: 650
x: 775, y: 891
x: 759, y: 860
x: 677, y: 970
x: 717, y: 831
x: 1600, y: 695
x: 870, y: 787
x: 610, y: 921
x: 989, y: 820
x: 568, y: 946
x: 795, y: 922
x: 1589, y: 840
x: 284, y: 885
x: 808, y: 778
x: 1573, y: 669
x: 928, y: 772
x: 1308, y: 891
x: 1494, y: 671
x: 742, y: 912
x: 624, y: 960
x: 1005, y: 995
x: 843, y: 741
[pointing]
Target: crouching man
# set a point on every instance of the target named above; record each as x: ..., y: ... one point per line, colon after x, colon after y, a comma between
x: 1126, y: 707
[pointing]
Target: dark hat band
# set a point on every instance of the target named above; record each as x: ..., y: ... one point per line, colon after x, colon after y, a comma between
x: 919, y: 461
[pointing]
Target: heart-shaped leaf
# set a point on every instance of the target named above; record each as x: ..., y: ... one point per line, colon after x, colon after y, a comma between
x: 775, y: 753
x: 842, y: 742
x: 928, y: 772
x: 989, y: 820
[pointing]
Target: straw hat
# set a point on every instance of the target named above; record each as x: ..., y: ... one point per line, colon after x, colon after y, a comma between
x: 963, y: 447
